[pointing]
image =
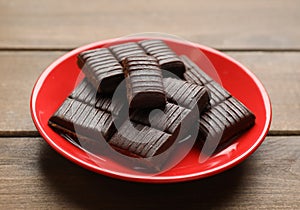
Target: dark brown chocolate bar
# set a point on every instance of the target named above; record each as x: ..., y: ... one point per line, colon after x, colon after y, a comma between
x: 225, y: 121
x: 168, y: 120
x: 122, y: 51
x: 217, y: 93
x: 193, y: 73
x: 86, y: 93
x: 139, y: 140
x: 186, y: 94
x: 99, y: 52
x: 226, y: 117
x: 167, y: 58
x: 102, y: 69
x: 79, y: 119
x: 144, y: 82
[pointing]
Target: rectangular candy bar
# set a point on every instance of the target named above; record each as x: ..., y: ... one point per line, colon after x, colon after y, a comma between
x: 79, y: 119
x: 167, y: 58
x: 102, y: 69
x: 87, y: 94
x: 144, y: 82
x: 122, y: 51
x: 225, y: 121
x: 226, y: 117
x: 99, y: 52
x: 186, y: 94
x: 217, y: 93
x: 139, y: 140
x: 168, y: 120
x: 193, y: 73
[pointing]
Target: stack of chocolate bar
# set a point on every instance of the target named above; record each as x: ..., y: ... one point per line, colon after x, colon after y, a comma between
x: 159, y: 108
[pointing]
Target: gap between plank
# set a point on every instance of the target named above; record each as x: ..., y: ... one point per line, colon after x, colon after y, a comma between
x: 13, y: 134
x: 284, y: 133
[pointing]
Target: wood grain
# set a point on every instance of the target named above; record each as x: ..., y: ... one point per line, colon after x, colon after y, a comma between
x: 279, y: 72
x: 234, y: 24
x: 19, y: 71
x: 33, y: 176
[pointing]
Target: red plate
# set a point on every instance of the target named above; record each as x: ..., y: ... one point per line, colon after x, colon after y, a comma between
x: 60, y: 78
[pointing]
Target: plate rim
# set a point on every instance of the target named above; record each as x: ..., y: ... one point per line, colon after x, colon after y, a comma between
x: 142, y: 178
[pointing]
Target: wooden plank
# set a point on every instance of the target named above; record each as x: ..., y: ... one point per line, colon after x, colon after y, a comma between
x: 229, y: 24
x: 19, y: 72
x: 279, y: 72
x: 33, y: 176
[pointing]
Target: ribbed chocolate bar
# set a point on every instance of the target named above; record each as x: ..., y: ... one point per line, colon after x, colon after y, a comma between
x: 144, y: 82
x: 79, y: 119
x: 121, y: 51
x: 168, y: 120
x: 225, y: 121
x: 99, y: 52
x: 86, y: 93
x: 193, y: 73
x: 102, y: 69
x: 226, y: 117
x: 217, y: 93
x: 167, y: 58
x: 140, y: 140
x: 186, y: 94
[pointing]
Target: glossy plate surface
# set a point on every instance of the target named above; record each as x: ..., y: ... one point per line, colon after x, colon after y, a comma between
x: 60, y: 78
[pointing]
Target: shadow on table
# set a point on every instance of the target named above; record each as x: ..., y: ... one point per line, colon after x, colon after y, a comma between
x: 85, y: 189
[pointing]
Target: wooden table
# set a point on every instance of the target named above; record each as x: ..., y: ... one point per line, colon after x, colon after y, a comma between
x: 263, y: 35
